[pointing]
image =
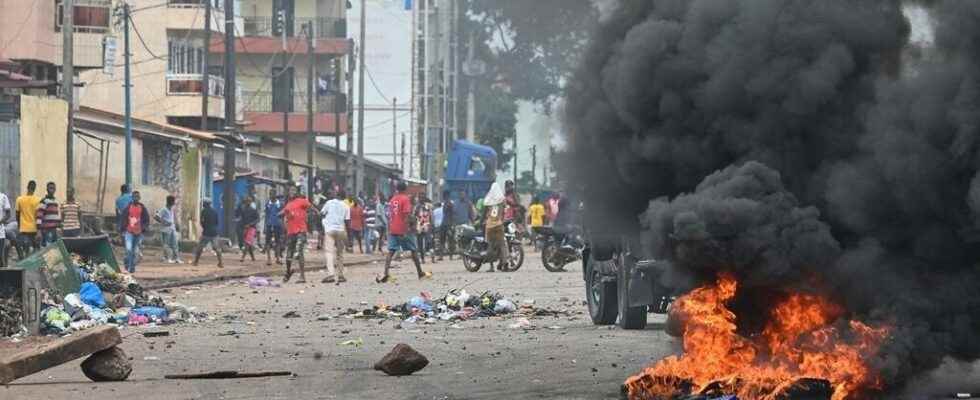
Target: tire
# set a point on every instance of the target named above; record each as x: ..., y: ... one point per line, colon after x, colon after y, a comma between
x: 630, y: 318
x: 546, y: 252
x: 470, y: 265
x: 516, y: 251
x: 600, y: 296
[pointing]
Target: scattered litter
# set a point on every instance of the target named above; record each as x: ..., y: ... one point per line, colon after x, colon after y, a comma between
x: 324, y: 317
x: 256, y: 282
x: 555, y: 327
x: 522, y: 323
x: 156, y: 334
x: 229, y: 375
x: 291, y: 314
x: 354, y: 342
x: 151, y: 358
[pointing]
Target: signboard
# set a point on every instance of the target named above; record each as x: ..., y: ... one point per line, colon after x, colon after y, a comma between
x: 108, y: 55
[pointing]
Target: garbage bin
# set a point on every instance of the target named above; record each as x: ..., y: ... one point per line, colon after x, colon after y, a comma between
x: 98, y: 249
x: 56, y: 269
x: 26, y: 286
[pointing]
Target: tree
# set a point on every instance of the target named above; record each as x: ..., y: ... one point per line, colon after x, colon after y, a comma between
x: 496, y: 121
x: 535, y: 44
x: 526, y: 183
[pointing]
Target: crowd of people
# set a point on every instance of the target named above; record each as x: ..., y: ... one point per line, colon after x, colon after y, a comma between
x: 397, y: 226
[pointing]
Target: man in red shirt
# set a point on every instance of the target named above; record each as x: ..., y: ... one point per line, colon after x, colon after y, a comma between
x: 135, y: 219
x: 399, y: 239
x: 295, y: 213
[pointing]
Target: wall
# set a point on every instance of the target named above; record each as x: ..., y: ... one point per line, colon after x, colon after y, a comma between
x: 190, y: 192
x: 43, y: 138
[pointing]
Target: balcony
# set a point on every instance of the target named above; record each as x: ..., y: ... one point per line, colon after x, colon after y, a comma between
x: 215, y: 4
x: 323, y: 27
x: 264, y: 115
x: 192, y: 85
x: 260, y: 36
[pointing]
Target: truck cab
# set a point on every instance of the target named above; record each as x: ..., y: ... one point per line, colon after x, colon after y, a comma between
x: 621, y: 285
x: 470, y: 168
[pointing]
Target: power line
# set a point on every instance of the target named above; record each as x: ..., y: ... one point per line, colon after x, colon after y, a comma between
x: 373, y: 83
x: 140, y: 37
x: 20, y: 29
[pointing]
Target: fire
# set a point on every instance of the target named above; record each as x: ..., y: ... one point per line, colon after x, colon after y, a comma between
x: 802, y: 339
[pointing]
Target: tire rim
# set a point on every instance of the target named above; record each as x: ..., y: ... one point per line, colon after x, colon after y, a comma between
x: 596, y: 288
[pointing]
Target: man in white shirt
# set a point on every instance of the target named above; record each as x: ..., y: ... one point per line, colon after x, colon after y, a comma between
x: 4, y: 216
x: 336, y: 216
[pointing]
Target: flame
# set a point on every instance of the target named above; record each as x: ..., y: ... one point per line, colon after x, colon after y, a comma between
x: 800, y: 340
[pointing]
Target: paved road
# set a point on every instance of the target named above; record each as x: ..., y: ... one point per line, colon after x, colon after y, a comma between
x: 479, y: 359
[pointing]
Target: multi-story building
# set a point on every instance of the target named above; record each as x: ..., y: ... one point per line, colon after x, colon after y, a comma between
x: 273, y: 62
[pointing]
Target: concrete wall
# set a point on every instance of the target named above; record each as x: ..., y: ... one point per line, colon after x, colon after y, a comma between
x: 43, y: 138
x: 27, y: 32
x: 190, y: 192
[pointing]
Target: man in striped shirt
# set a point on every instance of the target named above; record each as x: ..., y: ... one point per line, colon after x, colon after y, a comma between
x: 71, y: 215
x: 370, y: 225
x: 49, y: 217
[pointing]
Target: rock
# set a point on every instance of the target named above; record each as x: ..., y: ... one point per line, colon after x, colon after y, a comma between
x: 291, y: 314
x: 110, y: 365
x: 402, y: 360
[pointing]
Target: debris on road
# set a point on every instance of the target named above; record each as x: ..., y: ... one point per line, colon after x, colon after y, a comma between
x: 156, y: 333
x: 111, y: 365
x: 229, y: 375
x: 402, y: 360
x: 11, y: 312
x: 57, y: 352
x: 354, y: 342
x: 522, y: 323
x: 256, y: 282
x: 291, y: 314
x: 457, y: 305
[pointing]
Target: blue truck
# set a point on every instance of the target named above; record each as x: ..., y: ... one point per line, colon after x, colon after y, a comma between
x: 470, y: 168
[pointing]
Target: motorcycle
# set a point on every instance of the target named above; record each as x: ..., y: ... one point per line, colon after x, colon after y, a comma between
x: 559, y: 250
x: 475, y: 250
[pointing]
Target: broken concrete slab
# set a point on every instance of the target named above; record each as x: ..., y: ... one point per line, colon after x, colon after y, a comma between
x: 402, y: 360
x: 110, y: 365
x: 57, y: 352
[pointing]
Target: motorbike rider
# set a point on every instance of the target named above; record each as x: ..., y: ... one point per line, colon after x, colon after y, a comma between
x: 493, y: 218
x: 564, y: 224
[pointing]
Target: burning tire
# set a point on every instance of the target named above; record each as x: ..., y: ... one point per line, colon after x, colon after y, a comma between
x: 629, y: 317
x: 600, y: 295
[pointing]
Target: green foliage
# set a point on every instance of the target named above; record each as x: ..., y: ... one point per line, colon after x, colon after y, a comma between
x: 496, y: 122
x: 526, y: 183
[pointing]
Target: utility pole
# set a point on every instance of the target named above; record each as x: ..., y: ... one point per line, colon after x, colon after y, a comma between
x: 228, y: 194
x: 471, y: 94
x: 403, y: 154
x: 351, y: 66
x: 289, y: 97
x: 534, y: 163
x: 516, y: 153
x: 359, y: 181
x: 338, y: 75
x: 128, y: 86
x: 206, y: 77
x: 413, y: 123
x: 394, y: 130
x: 68, y: 83
x: 311, y: 140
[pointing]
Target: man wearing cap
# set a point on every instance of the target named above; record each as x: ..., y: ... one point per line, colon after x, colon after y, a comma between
x: 209, y: 233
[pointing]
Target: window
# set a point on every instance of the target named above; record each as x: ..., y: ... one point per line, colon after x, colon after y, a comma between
x: 90, y: 16
x: 186, y: 56
x: 282, y: 89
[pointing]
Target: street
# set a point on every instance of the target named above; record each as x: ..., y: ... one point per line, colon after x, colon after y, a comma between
x: 558, y: 358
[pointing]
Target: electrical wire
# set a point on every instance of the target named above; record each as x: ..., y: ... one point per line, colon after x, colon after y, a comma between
x: 20, y: 29
x: 375, y: 84
x: 140, y: 37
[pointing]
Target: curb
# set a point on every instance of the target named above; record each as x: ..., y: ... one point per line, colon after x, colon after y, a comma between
x: 167, y: 284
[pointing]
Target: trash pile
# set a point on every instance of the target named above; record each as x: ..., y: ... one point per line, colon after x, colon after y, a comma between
x: 11, y: 313
x: 107, y: 297
x: 457, y: 305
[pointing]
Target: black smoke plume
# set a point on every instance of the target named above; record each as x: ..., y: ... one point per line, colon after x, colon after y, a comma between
x: 716, y: 130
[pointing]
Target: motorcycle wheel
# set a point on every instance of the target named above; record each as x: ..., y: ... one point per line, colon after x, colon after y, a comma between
x: 471, y: 265
x: 516, y: 253
x: 546, y: 253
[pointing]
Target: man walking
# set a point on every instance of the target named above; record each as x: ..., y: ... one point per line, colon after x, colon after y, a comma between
x: 136, y: 220
x: 71, y: 215
x: 370, y: 225
x: 168, y: 231
x: 273, y: 228
x: 295, y: 214
x: 250, y: 220
x: 399, y: 211
x: 48, y: 216
x: 336, y: 218
x: 4, y: 217
x: 26, y: 209
x: 447, y: 242
x: 493, y: 208
x: 209, y: 233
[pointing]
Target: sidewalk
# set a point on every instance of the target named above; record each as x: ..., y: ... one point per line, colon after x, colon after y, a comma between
x: 154, y: 274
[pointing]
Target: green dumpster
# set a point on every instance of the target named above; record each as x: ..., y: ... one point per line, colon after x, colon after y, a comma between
x: 56, y: 269
x: 98, y: 249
